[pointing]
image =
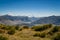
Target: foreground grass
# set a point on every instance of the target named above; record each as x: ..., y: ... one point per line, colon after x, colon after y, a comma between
x: 45, y: 32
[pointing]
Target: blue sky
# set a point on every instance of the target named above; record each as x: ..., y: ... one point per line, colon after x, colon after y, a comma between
x: 37, y: 8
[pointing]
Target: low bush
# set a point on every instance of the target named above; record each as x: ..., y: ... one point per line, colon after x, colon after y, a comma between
x: 11, y: 32
x: 3, y: 38
x: 57, y: 37
x: 54, y: 30
x: 20, y: 29
x: 25, y: 27
x: 42, y: 35
x: 36, y: 35
x: 41, y: 28
x: 2, y: 31
x: 7, y: 27
x: 37, y: 28
x: 17, y: 27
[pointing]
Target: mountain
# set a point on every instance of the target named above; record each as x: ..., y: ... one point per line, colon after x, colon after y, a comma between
x: 13, y: 20
x: 34, y: 19
x: 25, y: 20
x: 48, y: 20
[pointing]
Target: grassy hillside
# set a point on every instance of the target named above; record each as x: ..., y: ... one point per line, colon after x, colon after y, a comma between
x: 39, y: 32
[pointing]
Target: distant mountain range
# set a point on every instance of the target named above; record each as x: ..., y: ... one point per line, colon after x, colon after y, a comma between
x: 48, y: 20
x: 13, y: 20
x: 25, y: 20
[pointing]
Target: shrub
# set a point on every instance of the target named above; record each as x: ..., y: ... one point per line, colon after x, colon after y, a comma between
x: 42, y: 35
x: 17, y: 27
x: 11, y: 32
x: 50, y: 25
x: 25, y: 27
x: 47, y: 26
x: 2, y: 31
x: 20, y: 29
x: 3, y: 28
x: 36, y: 35
x: 2, y: 25
x: 57, y: 37
x: 55, y: 29
x: 37, y: 28
x: 3, y: 38
x: 51, y: 33
x: 41, y: 28
x: 7, y: 27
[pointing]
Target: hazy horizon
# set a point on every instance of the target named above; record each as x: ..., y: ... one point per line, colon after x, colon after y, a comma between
x: 36, y: 8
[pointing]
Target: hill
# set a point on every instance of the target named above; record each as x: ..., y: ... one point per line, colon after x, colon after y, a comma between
x: 48, y: 20
x: 44, y: 32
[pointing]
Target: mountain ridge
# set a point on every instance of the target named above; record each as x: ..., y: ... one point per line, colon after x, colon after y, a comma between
x: 48, y: 20
x: 13, y: 20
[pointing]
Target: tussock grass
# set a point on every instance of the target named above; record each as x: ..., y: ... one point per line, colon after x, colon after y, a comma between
x: 40, y: 32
